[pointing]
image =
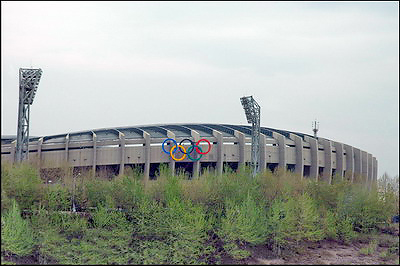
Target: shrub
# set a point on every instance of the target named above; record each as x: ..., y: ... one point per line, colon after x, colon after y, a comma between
x: 97, y: 191
x: 58, y: 198
x: 245, y: 222
x: 22, y: 182
x: 16, y: 234
x: 109, y: 219
x: 127, y: 192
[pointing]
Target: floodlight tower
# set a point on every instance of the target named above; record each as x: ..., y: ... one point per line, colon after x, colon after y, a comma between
x: 28, y: 82
x: 252, y: 111
x: 315, y: 127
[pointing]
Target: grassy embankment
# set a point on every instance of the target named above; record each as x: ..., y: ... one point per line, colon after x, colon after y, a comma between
x: 173, y: 220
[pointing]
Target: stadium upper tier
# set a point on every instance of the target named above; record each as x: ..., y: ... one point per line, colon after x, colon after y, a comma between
x: 230, y: 145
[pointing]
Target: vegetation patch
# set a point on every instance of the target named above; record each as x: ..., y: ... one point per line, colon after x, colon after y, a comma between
x: 211, y: 219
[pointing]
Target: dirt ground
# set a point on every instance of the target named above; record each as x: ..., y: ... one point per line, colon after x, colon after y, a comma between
x: 333, y: 252
x: 330, y: 252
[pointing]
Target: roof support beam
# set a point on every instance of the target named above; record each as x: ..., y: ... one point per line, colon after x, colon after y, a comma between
x: 298, y: 141
x: 357, y: 164
x: 327, y: 173
x: 263, y: 152
x: 122, y: 147
x: 282, y: 149
x: 220, y: 151
x: 369, y: 170
x: 349, y: 162
x: 339, y: 158
x: 39, y: 153
x: 196, y: 164
x: 242, y: 145
x: 314, y: 156
x: 13, y: 148
x: 375, y: 171
x: 171, y: 163
x: 94, y: 154
x: 364, y: 166
x: 66, y: 148
x: 147, y: 150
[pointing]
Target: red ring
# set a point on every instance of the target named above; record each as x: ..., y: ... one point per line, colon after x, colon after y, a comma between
x: 209, y: 146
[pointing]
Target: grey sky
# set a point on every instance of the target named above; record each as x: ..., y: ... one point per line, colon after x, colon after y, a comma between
x: 109, y: 64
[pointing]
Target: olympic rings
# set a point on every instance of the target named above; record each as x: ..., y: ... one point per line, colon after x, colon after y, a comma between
x: 185, y: 152
x: 191, y: 143
x: 173, y: 148
x: 164, y: 144
x: 191, y: 150
x: 209, y: 146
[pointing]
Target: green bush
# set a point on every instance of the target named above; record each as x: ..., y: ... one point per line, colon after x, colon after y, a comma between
x: 22, y: 182
x: 109, y: 219
x: 58, y: 198
x: 16, y: 234
x: 246, y: 222
x: 127, y: 192
x: 174, y: 220
x: 97, y: 191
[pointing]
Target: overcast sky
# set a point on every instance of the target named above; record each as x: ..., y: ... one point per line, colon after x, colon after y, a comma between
x: 112, y: 64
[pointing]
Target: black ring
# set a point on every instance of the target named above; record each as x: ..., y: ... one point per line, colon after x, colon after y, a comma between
x: 180, y: 143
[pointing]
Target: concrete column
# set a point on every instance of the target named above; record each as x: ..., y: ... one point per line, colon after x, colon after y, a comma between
x: 314, y: 156
x: 242, y: 145
x: 171, y: 163
x: 13, y: 148
x: 364, y: 166
x: 122, y: 146
x: 94, y: 154
x: 39, y: 153
x: 339, y: 158
x: 327, y: 173
x: 147, y: 157
x: 220, y: 151
x: 66, y: 148
x: 282, y: 149
x: 349, y: 162
x: 196, y: 164
x: 263, y: 152
x: 369, y: 170
x: 357, y: 162
x: 298, y: 141
x: 375, y: 171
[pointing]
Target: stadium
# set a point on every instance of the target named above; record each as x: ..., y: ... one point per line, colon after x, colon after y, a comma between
x: 146, y: 147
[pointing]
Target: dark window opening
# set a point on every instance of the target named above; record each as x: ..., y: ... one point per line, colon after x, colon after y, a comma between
x: 333, y: 172
x: 154, y: 171
x: 306, y: 171
x: 272, y: 166
x: 134, y: 170
x: 107, y: 171
x: 231, y: 166
x: 184, y: 168
x: 207, y: 166
x: 290, y: 167
x: 320, y: 171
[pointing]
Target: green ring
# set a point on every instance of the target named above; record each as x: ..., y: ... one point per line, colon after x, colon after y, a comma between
x: 192, y: 149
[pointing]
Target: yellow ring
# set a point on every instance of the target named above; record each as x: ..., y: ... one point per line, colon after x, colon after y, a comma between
x: 173, y: 148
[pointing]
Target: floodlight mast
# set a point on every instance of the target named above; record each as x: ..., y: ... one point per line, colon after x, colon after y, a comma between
x: 28, y: 83
x: 252, y: 111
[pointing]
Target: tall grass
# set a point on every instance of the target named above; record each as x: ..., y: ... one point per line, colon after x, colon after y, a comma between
x: 174, y: 220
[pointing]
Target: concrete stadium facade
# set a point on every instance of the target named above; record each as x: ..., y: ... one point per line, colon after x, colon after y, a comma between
x: 123, y: 147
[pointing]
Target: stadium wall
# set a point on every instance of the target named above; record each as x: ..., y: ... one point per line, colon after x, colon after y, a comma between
x: 311, y: 157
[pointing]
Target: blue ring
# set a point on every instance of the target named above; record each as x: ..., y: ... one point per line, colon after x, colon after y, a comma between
x: 176, y: 144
